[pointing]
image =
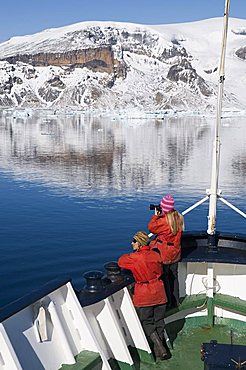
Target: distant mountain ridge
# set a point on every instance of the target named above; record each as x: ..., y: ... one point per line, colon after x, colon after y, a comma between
x: 121, y: 66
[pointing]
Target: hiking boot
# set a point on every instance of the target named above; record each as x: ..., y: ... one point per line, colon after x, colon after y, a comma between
x: 159, y: 349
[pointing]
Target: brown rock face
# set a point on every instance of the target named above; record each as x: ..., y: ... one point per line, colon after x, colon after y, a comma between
x: 98, y: 59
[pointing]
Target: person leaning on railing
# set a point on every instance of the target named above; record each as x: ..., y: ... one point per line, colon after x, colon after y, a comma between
x: 168, y: 224
x: 149, y: 297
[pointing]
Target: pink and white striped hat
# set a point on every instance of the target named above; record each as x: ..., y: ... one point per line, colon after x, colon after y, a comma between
x: 167, y: 203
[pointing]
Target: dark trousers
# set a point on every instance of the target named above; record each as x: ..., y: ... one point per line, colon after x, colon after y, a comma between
x: 152, y: 319
x: 171, y: 283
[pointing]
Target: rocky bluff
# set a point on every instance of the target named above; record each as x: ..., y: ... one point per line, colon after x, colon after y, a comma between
x: 112, y: 66
x: 96, y: 59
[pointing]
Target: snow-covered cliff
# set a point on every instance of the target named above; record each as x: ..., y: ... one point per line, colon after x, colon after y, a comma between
x: 120, y: 66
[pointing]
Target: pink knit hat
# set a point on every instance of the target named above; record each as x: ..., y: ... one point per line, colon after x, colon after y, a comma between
x: 167, y: 203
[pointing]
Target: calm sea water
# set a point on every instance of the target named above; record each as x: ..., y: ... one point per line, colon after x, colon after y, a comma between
x: 75, y: 188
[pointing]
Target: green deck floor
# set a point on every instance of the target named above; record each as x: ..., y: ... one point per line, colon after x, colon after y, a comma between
x: 187, y: 345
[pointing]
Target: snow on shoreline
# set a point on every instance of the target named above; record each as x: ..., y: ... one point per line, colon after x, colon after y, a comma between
x: 127, y: 114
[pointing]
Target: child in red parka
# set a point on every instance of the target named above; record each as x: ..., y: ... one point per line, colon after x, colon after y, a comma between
x: 149, y: 296
x: 168, y: 226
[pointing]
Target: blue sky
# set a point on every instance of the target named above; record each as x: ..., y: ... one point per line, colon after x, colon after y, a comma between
x: 22, y: 17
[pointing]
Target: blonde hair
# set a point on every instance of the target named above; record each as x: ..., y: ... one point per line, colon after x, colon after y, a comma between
x: 175, y: 221
x: 142, y: 238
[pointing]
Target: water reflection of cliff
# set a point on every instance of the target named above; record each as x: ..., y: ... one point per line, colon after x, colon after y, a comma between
x: 88, y: 154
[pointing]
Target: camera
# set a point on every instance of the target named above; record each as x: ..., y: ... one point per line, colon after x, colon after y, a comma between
x: 152, y: 207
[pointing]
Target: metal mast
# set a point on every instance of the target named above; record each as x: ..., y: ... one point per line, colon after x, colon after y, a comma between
x: 216, y: 149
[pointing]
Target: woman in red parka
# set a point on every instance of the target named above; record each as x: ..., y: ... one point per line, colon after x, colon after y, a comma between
x: 149, y: 296
x: 168, y: 226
